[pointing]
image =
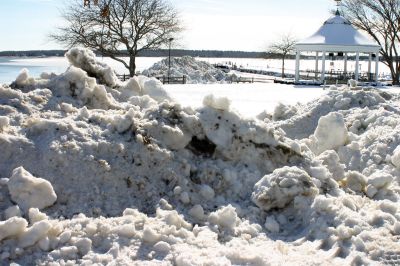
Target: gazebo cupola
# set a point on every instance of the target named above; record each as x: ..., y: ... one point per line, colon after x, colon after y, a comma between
x: 338, y: 37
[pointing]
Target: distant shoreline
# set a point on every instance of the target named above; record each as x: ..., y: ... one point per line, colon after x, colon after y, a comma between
x: 151, y: 53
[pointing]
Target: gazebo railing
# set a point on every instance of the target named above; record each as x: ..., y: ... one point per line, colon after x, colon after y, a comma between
x: 338, y: 75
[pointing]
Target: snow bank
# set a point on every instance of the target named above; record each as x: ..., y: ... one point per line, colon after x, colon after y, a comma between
x: 196, y: 71
x: 86, y: 60
x: 139, y: 179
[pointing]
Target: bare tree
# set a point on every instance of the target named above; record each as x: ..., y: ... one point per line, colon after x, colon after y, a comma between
x: 283, y: 46
x: 381, y: 20
x: 109, y: 26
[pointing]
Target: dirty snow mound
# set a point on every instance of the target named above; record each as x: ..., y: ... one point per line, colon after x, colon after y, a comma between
x: 196, y: 71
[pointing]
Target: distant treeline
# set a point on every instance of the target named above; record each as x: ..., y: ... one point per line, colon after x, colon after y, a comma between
x: 154, y: 53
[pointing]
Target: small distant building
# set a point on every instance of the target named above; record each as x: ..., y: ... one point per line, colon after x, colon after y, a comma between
x: 339, y: 39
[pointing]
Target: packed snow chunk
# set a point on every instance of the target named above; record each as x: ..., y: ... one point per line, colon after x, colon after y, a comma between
x: 84, y: 245
x: 150, y: 236
x: 30, y: 192
x: 380, y: 179
x: 331, y: 132
x: 207, y: 192
x: 131, y: 88
x: 162, y: 247
x: 395, y: 157
x: 331, y: 160
x: 173, y: 218
x: 23, y: 78
x: 355, y: 181
x: 154, y: 89
x: 4, y: 122
x: 12, y: 227
x: 352, y: 83
x: 271, y: 224
x: 378, y: 182
x: 36, y: 216
x: 126, y: 230
x: 197, y: 212
x: 173, y: 137
x: 279, y: 189
x: 12, y: 211
x: 219, y: 103
x: 225, y: 217
x: 34, y: 233
x: 86, y: 60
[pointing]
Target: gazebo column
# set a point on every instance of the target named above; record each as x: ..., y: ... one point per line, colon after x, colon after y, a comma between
x: 323, y: 67
x: 369, y: 66
x: 316, y: 65
x: 357, y: 72
x: 345, y: 64
x: 297, y: 71
x: 376, y: 66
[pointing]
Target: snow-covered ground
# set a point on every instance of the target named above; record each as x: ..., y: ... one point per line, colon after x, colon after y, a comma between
x: 98, y: 172
x: 249, y: 99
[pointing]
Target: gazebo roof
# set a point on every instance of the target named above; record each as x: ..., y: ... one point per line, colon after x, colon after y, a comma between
x: 337, y: 35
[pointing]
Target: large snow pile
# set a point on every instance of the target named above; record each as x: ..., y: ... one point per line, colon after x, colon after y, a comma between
x: 196, y: 71
x: 123, y: 175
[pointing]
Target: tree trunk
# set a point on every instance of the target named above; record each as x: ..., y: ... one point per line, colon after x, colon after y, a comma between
x: 394, y: 72
x: 395, y: 78
x: 283, y: 67
x: 132, y: 65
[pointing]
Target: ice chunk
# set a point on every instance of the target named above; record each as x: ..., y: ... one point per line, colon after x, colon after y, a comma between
x: 278, y: 189
x: 12, y: 227
x: 331, y: 132
x: 225, y: 217
x: 4, y: 122
x: 34, y: 234
x: 395, y: 157
x: 29, y: 191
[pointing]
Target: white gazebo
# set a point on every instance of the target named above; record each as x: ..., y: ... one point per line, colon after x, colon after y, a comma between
x: 338, y: 36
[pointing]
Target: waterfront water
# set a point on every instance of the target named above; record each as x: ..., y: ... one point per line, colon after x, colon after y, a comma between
x: 11, y: 66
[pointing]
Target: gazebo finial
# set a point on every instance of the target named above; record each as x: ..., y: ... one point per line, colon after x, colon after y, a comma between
x: 338, y: 4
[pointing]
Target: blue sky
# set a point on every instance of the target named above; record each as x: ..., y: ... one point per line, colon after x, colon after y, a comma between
x: 247, y: 25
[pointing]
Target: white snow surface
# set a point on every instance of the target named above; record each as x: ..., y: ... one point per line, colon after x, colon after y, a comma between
x: 196, y: 71
x: 141, y: 180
